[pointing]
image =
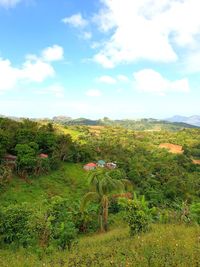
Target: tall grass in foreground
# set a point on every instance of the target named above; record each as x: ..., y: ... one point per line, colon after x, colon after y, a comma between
x: 165, y: 245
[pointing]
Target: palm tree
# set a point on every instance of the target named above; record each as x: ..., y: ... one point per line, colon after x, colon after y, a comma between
x: 103, y: 186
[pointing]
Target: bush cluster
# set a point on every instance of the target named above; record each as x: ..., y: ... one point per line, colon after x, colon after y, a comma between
x: 20, y: 225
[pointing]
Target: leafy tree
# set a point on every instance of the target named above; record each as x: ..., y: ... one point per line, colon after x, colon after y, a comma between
x: 26, y: 157
x: 103, y: 187
x: 56, y: 226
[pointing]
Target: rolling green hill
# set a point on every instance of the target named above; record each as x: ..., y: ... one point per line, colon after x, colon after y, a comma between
x: 138, y: 125
x: 41, y: 198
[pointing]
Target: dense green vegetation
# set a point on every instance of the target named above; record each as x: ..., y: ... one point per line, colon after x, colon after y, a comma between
x: 49, y: 203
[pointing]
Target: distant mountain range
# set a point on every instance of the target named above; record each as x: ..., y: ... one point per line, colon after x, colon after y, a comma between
x: 192, y: 120
x: 149, y: 124
x: 172, y: 124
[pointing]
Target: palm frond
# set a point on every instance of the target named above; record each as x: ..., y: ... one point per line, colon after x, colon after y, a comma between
x: 127, y: 184
x: 87, y: 198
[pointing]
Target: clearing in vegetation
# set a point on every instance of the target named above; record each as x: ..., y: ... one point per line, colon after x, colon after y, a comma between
x: 175, y: 149
x: 196, y: 161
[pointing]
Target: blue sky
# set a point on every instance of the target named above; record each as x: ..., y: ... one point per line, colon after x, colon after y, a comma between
x: 121, y: 59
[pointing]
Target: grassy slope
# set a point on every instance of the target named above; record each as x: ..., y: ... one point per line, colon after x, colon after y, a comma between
x: 165, y: 245
x: 67, y: 130
x: 69, y: 181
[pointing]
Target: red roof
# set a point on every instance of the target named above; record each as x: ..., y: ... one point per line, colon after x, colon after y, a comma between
x: 44, y: 156
x: 91, y: 164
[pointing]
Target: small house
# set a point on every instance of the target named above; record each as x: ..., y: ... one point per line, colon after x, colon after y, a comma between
x: 10, y: 158
x: 90, y: 166
x: 111, y: 165
x: 101, y: 163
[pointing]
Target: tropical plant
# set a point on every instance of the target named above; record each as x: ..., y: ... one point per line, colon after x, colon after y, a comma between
x: 14, y: 225
x: 103, y: 187
x: 138, y: 214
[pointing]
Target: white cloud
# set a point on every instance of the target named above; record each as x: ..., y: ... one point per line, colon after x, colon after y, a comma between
x: 76, y: 21
x: 123, y: 78
x: 33, y: 69
x: 148, y: 80
x: 106, y: 79
x: 9, y: 3
x: 36, y: 71
x: 53, y: 53
x: 191, y: 63
x: 93, y: 93
x: 55, y: 90
x: 146, y: 30
x: 8, y: 75
x: 86, y: 35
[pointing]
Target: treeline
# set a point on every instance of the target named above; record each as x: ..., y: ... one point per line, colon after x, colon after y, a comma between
x: 138, y: 125
x: 38, y: 147
x: 164, y: 178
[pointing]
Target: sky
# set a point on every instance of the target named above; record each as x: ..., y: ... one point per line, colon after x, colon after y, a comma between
x: 99, y: 58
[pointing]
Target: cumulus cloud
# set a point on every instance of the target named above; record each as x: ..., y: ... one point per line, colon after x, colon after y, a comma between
x: 148, y: 80
x: 146, y: 30
x: 53, y: 53
x: 76, y: 21
x: 33, y: 69
x: 106, y: 79
x: 8, y: 75
x: 9, y: 3
x: 93, y: 93
x: 36, y: 71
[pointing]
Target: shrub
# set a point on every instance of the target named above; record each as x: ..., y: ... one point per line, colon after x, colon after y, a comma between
x: 14, y: 225
x: 138, y: 215
x: 57, y: 227
x: 5, y: 176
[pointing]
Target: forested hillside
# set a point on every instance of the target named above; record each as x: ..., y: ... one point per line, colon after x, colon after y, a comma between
x: 138, y: 125
x: 50, y: 203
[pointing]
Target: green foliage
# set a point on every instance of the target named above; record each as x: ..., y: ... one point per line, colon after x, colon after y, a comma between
x: 55, y: 227
x: 26, y: 156
x: 138, y: 215
x: 63, y: 231
x: 103, y: 186
x: 14, y: 225
x: 195, y: 212
x: 5, y: 176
